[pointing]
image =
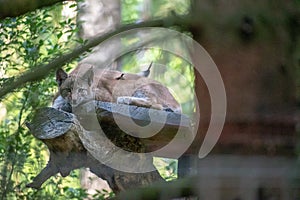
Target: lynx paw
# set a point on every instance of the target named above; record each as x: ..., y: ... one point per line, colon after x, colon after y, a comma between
x: 137, y: 101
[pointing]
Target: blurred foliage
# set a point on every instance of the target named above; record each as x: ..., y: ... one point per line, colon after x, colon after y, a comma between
x: 36, y: 38
x: 139, y: 10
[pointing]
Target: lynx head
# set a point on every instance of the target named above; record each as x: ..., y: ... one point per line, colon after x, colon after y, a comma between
x: 74, y: 88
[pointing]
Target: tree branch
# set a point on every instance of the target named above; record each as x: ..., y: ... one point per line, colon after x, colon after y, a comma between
x: 70, y: 147
x: 14, y: 8
x: 41, y: 71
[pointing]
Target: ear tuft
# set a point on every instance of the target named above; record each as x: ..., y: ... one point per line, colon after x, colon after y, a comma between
x: 61, y: 76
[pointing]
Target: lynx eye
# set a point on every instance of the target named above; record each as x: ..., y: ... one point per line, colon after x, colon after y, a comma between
x: 65, y: 92
x: 82, y: 91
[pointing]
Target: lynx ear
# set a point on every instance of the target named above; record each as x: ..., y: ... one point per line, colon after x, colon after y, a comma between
x: 89, y: 76
x: 61, y: 76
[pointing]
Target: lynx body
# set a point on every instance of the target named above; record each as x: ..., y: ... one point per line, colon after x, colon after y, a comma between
x: 86, y: 83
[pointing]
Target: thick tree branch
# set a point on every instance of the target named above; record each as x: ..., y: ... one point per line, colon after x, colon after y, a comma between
x: 70, y: 145
x: 14, y: 8
x: 41, y: 71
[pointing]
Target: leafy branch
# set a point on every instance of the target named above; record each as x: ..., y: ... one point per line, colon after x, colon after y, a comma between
x: 14, y: 8
x: 41, y: 71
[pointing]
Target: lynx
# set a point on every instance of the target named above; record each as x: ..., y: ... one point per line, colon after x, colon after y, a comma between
x: 86, y: 83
